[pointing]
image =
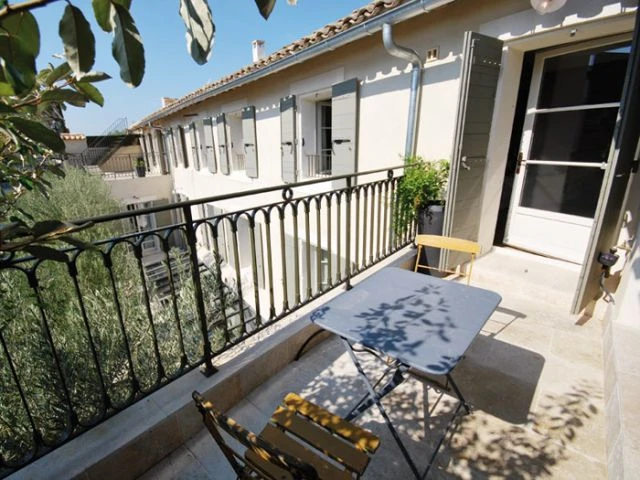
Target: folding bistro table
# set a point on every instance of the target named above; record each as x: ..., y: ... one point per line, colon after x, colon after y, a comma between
x: 415, y: 322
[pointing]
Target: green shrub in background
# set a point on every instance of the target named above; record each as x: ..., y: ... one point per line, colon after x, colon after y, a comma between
x: 424, y: 183
x: 99, y: 370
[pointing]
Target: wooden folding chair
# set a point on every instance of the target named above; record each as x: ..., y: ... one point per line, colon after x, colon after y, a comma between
x: 301, y: 441
x: 447, y: 243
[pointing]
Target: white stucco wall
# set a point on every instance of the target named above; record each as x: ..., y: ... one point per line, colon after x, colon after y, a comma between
x: 384, y: 94
x: 384, y: 91
x: 122, y: 189
x: 627, y: 307
x: 75, y: 146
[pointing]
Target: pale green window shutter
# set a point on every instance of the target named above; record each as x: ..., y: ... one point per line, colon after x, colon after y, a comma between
x: 152, y: 149
x: 162, y: 151
x: 288, y: 138
x: 172, y: 146
x: 147, y: 149
x: 143, y: 144
x: 221, y: 125
x: 249, y: 141
x: 481, y: 60
x: 344, y: 127
x: 209, y: 144
x: 195, y: 157
x: 182, y: 146
x: 622, y: 167
x: 175, y: 137
x: 168, y: 147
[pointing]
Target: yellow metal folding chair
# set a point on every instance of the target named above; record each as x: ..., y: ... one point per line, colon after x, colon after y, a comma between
x: 301, y: 441
x: 448, y: 243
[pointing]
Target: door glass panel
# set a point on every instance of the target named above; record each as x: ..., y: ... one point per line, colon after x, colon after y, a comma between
x: 575, y: 136
x: 584, y: 78
x: 562, y: 189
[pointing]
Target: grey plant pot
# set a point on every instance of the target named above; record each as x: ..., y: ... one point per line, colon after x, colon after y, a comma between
x: 430, y: 222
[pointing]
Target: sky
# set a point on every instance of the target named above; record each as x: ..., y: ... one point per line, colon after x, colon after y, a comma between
x: 170, y: 71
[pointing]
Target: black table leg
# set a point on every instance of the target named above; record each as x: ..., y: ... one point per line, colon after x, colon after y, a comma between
x: 375, y: 397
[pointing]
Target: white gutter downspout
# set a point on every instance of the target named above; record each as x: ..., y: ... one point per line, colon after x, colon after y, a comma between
x: 401, y: 13
x: 416, y: 86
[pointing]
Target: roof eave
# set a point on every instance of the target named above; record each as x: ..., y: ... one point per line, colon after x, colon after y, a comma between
x: 369, y: 27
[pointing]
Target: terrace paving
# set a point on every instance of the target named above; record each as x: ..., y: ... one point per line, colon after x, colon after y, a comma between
x: 534, y: 377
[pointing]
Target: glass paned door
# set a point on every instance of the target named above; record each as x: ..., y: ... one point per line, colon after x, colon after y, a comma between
x: 569, y: 125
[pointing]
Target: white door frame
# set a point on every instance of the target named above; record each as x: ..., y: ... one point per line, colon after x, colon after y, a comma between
x: 535, y: 219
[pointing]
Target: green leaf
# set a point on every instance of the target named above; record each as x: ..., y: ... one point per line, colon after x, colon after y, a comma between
x: 196, y: 15
x: 265, y: 7
x: 16, y: 226
x: 57, y: 73
x: 102, y: 12
x: 26, y: 214
x: 125, y: 3
x: 46, y: 253
x: 21, y: 31
x: 48, y: 228
x: 127, y: 46
x: 43, y: 74
x: 19, y: 46
x: 64, y: 95
x: 42, y: 189
x: 38, y: 133
x: 91, y: 92
x: 26, y: 183
x: 79, y: 42
x: 6, y: 90
x: 77, y: 243
x: 21, y: 77
x: 93, y: 76
x: 57, y: 171
x: 4, y: 108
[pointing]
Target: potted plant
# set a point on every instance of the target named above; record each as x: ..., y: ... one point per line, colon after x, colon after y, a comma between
x: 141, y: 168
x: 420, y: 198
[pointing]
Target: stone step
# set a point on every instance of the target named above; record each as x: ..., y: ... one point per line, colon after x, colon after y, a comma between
x: 512, y: 272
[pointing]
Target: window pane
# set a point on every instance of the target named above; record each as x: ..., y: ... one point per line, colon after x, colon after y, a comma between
x: 562, y: 189
x: 584, y: 78
x: 577, y: 136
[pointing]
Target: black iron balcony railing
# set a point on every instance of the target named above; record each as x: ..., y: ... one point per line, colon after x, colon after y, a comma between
x: 319, y: 165
x: 121, y: 166
x: 83, y: 338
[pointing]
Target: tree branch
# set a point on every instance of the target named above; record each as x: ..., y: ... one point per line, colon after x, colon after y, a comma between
x: 28, y: 5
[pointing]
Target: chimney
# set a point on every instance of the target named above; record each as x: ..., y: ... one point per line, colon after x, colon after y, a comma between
x: 258, y: 50
x: 167, y: 101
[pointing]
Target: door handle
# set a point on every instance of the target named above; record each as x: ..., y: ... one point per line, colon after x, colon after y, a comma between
x: 340, y: 141
x: 519, y: 162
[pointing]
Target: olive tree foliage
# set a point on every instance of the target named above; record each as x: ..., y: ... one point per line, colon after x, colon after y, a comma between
x: 32, y: 102
x: 84, y: 345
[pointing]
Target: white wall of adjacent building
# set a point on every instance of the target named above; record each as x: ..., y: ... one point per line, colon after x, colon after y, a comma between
x: 384, y: 98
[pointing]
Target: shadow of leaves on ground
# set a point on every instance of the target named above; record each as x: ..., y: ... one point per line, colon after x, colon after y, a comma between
x: 479, y: 445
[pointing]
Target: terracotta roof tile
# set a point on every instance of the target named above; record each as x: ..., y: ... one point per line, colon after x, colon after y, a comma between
x: 356, y: 17
x: 72, y: 136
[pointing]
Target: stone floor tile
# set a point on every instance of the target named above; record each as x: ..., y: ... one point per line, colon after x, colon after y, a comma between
x: 587, y: 351
x: 181, y: 464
